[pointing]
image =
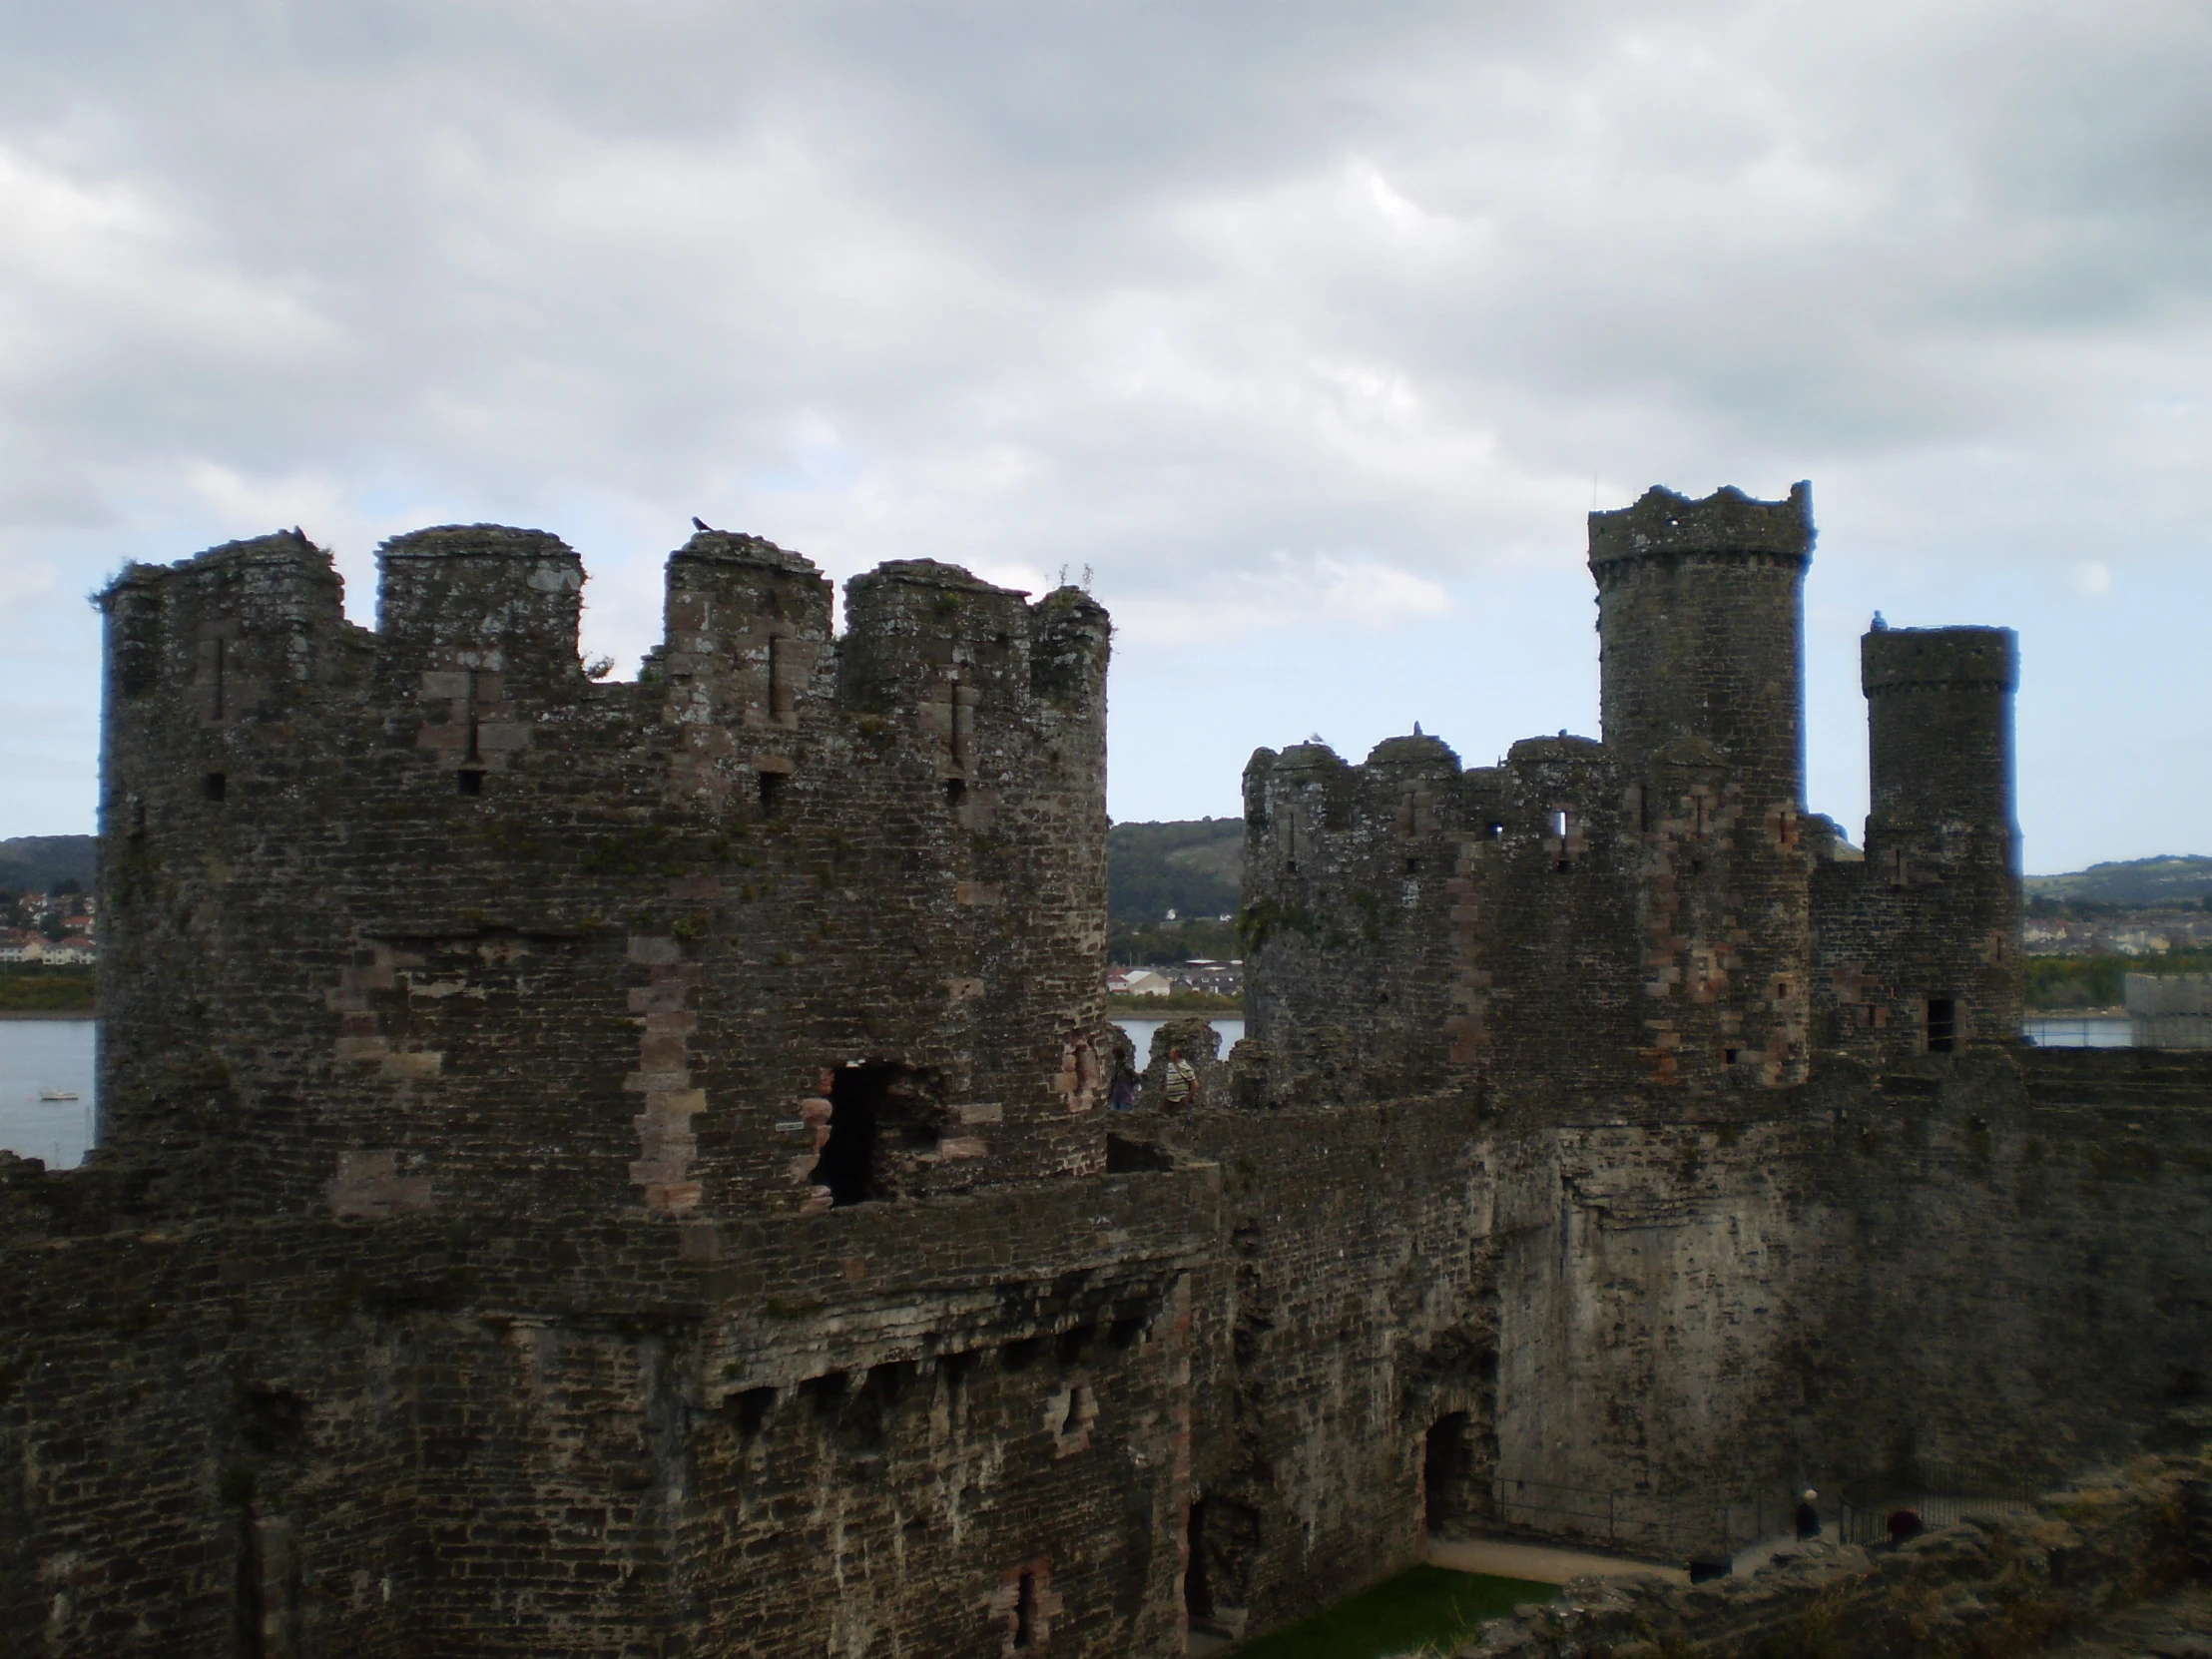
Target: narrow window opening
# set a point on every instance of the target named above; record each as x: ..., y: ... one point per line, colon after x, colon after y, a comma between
x: 1697, y: 866
x: 783, y: 679
x: 1639, y: 807
x: 1943, y: 1025
x: 771, y: 792
x: 964, y: 698
x: 1198, y: 1595
x: 1728, y: 1056
x: 752, y: 1410
x: 1559, y: 823
x: 1025, y: 1612
x: 1496, y: 831
x: 214, y: 785
x: 473, y: 753
x: 1562, y: 824
x: 469, y: 783
x: 956, y: 792
x: 1412, y: 867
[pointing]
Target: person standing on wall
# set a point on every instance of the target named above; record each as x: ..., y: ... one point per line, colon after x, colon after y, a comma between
x: 1182, y: 1082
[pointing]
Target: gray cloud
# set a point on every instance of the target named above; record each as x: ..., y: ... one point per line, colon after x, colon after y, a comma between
x: 1269, y: 313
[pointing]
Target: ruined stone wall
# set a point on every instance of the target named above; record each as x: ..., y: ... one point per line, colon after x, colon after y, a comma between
x: 599, y: 1167
x: 622, y: 1168
x: 1410, y: 927
x: 1657, y: 1284
x: 1584, y: 917
x: 1362, y: 970
x: 428, y: 917
x: 1347, y: 1310
x: 2017, y: 1283
x: 300, y: 1435
x: 2071, y: 1572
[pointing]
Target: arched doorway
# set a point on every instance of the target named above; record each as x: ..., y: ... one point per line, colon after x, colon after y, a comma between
x: 1454, y: 1483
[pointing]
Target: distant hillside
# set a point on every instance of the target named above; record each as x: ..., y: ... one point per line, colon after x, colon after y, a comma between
x: 34, y: 864
x: 1194, y: 868
x: 2164, y: 881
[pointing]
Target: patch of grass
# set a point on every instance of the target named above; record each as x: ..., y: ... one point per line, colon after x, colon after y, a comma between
x: 1175, y: 1002
x: 1424, y: 1607
x: 67, y: 990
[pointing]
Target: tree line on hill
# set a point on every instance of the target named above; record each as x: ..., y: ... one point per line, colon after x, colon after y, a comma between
x: 1194, y: 868
x: 48, y: 863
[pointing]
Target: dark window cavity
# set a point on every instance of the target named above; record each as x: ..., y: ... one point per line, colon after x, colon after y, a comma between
x: 1943, y: 1025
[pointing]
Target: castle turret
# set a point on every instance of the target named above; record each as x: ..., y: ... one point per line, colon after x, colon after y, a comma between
x: 212, y: 663
x: 1940, y: 839
x: 1701, y: 628
x: 748, y: 656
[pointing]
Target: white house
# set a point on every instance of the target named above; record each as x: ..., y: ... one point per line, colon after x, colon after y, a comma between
x: 1140, y: 982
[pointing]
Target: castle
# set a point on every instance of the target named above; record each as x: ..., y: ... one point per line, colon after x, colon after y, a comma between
x: 625, y: 1167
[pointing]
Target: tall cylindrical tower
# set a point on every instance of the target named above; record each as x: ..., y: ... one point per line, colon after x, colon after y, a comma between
x: 1940, y: 838
x: 1701, y: 627
x: 1701, y: 630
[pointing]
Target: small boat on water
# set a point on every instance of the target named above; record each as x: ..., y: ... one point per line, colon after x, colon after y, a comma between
x: 54, y: 1095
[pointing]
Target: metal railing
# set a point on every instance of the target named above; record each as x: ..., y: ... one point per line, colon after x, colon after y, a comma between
x: 1867, y: 1521
x: 1638, y: 1523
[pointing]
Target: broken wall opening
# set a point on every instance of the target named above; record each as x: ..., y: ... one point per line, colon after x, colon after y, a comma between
x: 1224, y: 1544
x: 884, y: 1117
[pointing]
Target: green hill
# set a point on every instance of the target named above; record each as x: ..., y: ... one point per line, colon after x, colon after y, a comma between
x: 2171, y: 879
x: 39, y: 863
x: 1194, y: 868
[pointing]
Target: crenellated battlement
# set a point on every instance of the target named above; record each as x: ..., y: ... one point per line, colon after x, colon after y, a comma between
x: 1662, y: 523
x: 749, y: 616
x: 775, y: 855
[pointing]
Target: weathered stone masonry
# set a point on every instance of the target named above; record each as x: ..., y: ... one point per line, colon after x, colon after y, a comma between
x: 624, y: 1167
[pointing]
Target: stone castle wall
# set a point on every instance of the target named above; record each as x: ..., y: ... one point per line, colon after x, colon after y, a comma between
x: 625, y: 1167
x: 428, y: 917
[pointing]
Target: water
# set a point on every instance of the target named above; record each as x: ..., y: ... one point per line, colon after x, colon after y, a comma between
x: 1140, y: 1032
x: 39, y: 1054
x: 2078, y: 1031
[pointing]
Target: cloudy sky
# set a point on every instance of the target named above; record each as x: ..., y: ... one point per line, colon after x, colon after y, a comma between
x: 1311, y: 329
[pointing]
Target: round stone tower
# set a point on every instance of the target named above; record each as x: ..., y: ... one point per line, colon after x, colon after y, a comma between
x: 1700, y: 629
x: 1940, y: 838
